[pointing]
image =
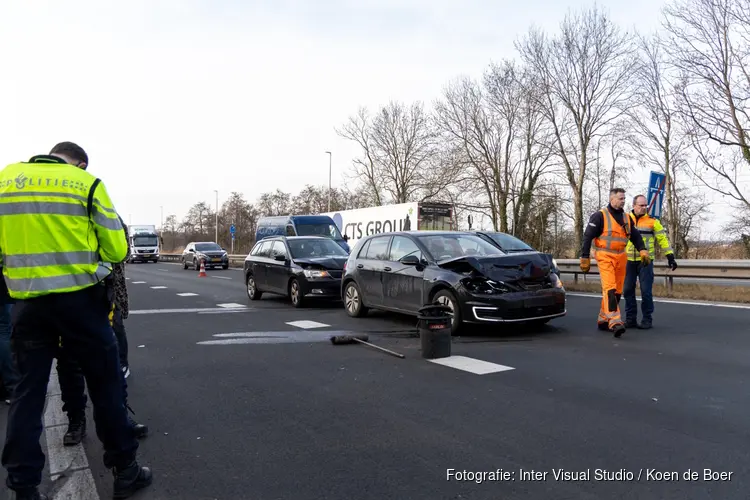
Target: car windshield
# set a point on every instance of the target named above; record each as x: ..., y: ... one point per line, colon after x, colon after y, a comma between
x: 145, y: 241
x: 207, y: 247
x: 509, y: 243
x: 327, y: 230
x: 311, y: 248
x: 451, y: 246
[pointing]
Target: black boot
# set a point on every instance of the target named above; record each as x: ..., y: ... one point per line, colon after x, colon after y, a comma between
x: 76, y: 430
x: 618, y: 330
x: 130, y: 479
x: 32, y: 495
x: 139, y: 430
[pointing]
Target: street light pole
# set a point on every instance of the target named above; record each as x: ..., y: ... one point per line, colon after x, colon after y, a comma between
x: 330, y: 160
x: 216, y: 224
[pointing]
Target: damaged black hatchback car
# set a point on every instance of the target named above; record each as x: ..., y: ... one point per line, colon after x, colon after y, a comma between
x: 403, y: 271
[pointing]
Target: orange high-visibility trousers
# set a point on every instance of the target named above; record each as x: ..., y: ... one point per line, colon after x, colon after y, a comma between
x: 612, y: 272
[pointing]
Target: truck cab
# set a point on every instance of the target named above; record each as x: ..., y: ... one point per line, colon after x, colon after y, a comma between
x: 144, y: 244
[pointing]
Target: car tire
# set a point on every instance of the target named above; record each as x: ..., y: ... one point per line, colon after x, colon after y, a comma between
x: 252, y: 290
x: 295, y: 293
x: 196, y: 265
x: 353, y: 301
x: 184, y: 264
x: 448, y: 298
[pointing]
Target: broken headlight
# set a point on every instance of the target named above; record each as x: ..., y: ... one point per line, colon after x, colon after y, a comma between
x: 485, y: 286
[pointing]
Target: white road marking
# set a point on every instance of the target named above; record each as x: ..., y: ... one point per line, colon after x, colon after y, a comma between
x: 215, y: 310
x: 187, y: 294
x: 306, y: 324
x: 127, y: 278
x: 476, y: 366
x: 231, y: 305
x: 165, y: 270
x: 72, y: 460
x: 221, y: 277
x: 157, y: 287
x: 138, y: 282
x: 672, y: 301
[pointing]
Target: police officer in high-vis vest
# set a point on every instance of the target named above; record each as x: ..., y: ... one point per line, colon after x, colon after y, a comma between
x: 652, y: 232
x: 59, y: 234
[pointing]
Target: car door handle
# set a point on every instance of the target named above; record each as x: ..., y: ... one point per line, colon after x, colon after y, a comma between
x: 386, y: 268
x: 360, y: 266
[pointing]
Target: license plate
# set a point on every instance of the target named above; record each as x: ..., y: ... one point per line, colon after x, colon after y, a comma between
x: 539, y: 302
x: 216, y: 260
x: 146, y: 255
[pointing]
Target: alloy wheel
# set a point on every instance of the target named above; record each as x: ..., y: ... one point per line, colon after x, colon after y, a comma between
x: 250, y: 286
x: 351, y: 300
x: 295, y: 292
x: 445, y: 301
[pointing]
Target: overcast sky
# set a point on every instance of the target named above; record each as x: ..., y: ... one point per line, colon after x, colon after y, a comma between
x: 174, y: 99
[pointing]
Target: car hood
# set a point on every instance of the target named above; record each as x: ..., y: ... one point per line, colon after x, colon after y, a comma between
x: 512, y: 267
x: 333, y: 263
x: 212, y: 253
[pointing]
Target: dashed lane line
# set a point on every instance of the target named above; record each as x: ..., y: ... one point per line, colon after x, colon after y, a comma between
x: 471, y: 365
x: 157, y: 287
x: 306, y: 324
x: 187, y: 294
x: 221, y: 277
x: 231, y: 305
x: 137, y: 282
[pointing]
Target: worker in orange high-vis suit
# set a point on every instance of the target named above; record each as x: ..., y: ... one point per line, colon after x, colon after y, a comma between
x: 610, y: 229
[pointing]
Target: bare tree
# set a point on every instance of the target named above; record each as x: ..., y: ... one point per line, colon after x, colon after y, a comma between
x: 481, y: 125
x: 659, y: 140
x: 399, y: 152
x: 584, y: 73
x: 709, y: 44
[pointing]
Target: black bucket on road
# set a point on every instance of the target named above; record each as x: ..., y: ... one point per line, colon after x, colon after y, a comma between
x: 435, y: 331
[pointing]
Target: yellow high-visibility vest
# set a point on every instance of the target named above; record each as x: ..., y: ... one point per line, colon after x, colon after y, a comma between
x: 59, y: 231
x: 651, y: 230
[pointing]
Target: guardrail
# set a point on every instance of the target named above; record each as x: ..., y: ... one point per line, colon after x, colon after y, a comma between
x: 687, y: 268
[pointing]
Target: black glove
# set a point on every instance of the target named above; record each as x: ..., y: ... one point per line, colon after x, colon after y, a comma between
x: 672, y: 263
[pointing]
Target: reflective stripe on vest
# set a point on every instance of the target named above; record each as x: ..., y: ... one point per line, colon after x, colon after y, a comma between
x: 645, y: 226
x: 613, y: 239
x: 49, y: 240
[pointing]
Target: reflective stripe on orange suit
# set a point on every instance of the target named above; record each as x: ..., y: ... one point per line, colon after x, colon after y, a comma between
x: 609, y: 252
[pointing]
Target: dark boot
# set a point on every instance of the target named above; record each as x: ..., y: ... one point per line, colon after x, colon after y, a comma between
x: 130, y: 479
x: 631, y: 323
x: 33, y: 495
x: 618, y: 330
x: 603, y: 326
x: 645, y: 324
x: 139, y: 430
x: 76, y: 430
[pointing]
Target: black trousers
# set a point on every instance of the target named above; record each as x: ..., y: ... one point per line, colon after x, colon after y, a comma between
x: 70, y: 375
x: 81, y: 320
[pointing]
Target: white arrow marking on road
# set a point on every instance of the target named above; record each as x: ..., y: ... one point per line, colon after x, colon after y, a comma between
x: 188, y: 294
x: 306, y: 324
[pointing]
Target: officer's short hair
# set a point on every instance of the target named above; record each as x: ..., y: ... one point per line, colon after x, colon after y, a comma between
x: 614, y: 191
x: 635, y: 198
x: 72, y: 151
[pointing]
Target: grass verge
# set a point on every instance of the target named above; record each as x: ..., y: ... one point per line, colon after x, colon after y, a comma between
x: 712, y: 293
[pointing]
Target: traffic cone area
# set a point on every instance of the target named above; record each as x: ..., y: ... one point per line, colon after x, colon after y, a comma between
x: 202, y: 274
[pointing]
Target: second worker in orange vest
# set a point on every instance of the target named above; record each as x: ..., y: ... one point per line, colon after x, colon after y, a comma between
x: 610, y: 229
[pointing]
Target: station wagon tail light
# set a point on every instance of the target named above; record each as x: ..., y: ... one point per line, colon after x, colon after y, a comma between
x: 345, y: 266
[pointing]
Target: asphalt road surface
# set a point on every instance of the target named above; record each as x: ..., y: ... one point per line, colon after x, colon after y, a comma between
x: 249, y: 400
x: 660, y: 280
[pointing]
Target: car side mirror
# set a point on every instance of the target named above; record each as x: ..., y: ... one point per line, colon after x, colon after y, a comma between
x: 410, y: 260
x: 191, y: 251
x: 279, y: 257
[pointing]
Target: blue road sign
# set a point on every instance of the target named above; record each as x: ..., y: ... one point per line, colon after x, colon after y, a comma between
x: 232, y: 236
x: 656, y: 186
x: 231, y: 229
